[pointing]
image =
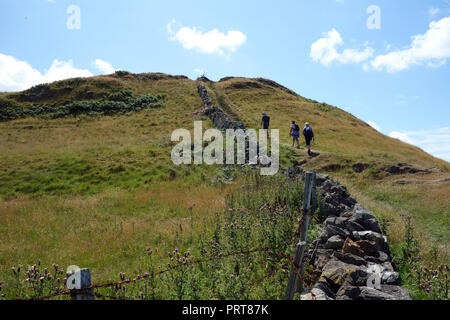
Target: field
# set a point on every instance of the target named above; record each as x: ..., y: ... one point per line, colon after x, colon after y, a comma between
x: 97, y: 190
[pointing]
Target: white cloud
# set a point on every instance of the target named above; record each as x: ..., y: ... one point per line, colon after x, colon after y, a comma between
x: 374, y: 125
x: 211, y: 42
x: 401, y: 136
x: 433, y: 141
x: 103, y: 66
x: 324, y: 50
x: 432, y: 48
x: 18, y: 75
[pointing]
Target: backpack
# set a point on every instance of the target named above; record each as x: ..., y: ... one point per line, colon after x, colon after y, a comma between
x: 308, y: 132
x: 296, y: 128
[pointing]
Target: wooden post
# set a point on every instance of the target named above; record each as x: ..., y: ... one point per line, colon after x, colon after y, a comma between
x: 314, y: 194
x: 294, y: 283
x: 80, y: 281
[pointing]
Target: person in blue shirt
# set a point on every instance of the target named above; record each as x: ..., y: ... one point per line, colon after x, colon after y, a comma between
x: 295, y: 133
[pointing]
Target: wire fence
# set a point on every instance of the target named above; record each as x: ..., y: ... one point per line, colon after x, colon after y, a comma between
x: 297, y: 268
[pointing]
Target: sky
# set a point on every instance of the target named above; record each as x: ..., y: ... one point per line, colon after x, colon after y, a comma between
x: 385, y: 61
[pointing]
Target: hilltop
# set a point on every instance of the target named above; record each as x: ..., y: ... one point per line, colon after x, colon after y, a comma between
x: 86, y: 161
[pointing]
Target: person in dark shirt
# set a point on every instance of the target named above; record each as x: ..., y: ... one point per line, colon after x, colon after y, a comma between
x: 309, y: 135
x: 265, y: 123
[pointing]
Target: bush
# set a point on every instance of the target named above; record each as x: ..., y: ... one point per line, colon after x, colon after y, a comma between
x: 121, y: 102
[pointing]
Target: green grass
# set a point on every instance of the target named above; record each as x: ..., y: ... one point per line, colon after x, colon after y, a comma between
x: 107, y: 184
x: 245, y: 225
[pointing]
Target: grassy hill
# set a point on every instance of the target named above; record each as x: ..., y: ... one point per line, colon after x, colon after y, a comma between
x: 85, y: 184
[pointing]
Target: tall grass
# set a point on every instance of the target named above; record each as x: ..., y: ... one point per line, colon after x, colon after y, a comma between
x: 263, y: 214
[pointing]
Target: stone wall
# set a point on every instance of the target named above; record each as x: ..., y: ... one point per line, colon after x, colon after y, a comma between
x: 350, y: 259
x: 219, y: 118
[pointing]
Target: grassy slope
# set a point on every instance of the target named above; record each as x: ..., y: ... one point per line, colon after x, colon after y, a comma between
x: 343, y: 139
x: 97, y: 191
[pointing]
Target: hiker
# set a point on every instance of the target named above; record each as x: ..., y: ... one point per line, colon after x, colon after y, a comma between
x: 309, y: 135
x: 265, y: 122
x: 295, y: 133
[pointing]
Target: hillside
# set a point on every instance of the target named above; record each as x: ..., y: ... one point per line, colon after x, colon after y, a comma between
x: 97, y: 188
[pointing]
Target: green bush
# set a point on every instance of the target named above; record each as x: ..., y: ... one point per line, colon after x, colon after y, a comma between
x: 121, y: 102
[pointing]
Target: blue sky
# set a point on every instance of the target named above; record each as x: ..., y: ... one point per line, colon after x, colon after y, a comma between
x: 393, y: 72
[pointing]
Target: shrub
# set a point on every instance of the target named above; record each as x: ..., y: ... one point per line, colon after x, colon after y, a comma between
x: 121, y: 102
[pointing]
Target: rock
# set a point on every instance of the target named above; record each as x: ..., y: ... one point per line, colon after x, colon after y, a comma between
x: 367, y: 293
x: 336, y: 199
x: 362, y: 212
x: 329, y: 206
x: 204, y: 95
x: 359, y: 267
x: 355, y: 236
x: 372, y: 225
x: 362, y: 293
x: 220, y: 119
x: 321, y: 179
x: 368, y: 222
x: 323, y: 286
x: 335, y: 273
x: 319, y: 295
x: 321, y: 258
x: 398, y: 292
x: 348, y: 293
x: 347, y: 214
x: 350, y: 258
x: 368, y: 247
x: 336, y: 221
x: 372, y: 236
x: 351, y: 201
x: 331, y: 230
x: 402, y: 168
x: 328, y: 184
x: 384, y: 275
x: 388, y: 266
x: 378, y: 257
x: 353, y: 226
x: 357, y: 278
x: 360, y: 248
x: 360, y: 167
x: 335, y: 242
x: 390, y: 277
x: 351, y: 247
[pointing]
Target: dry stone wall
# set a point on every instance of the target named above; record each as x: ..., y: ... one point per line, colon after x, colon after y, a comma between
x: 219, y: 118
x: 350, y: 259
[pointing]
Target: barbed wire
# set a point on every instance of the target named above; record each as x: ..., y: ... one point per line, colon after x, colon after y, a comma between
x: 117, y: 284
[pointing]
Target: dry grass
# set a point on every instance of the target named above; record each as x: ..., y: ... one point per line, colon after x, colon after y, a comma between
x: 108, y: 227
x: 108, y: 231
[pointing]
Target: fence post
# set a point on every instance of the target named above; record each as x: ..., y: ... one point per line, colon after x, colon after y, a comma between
x: 294, y: 283
x: 80, y: 281
x: 314, y: 193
